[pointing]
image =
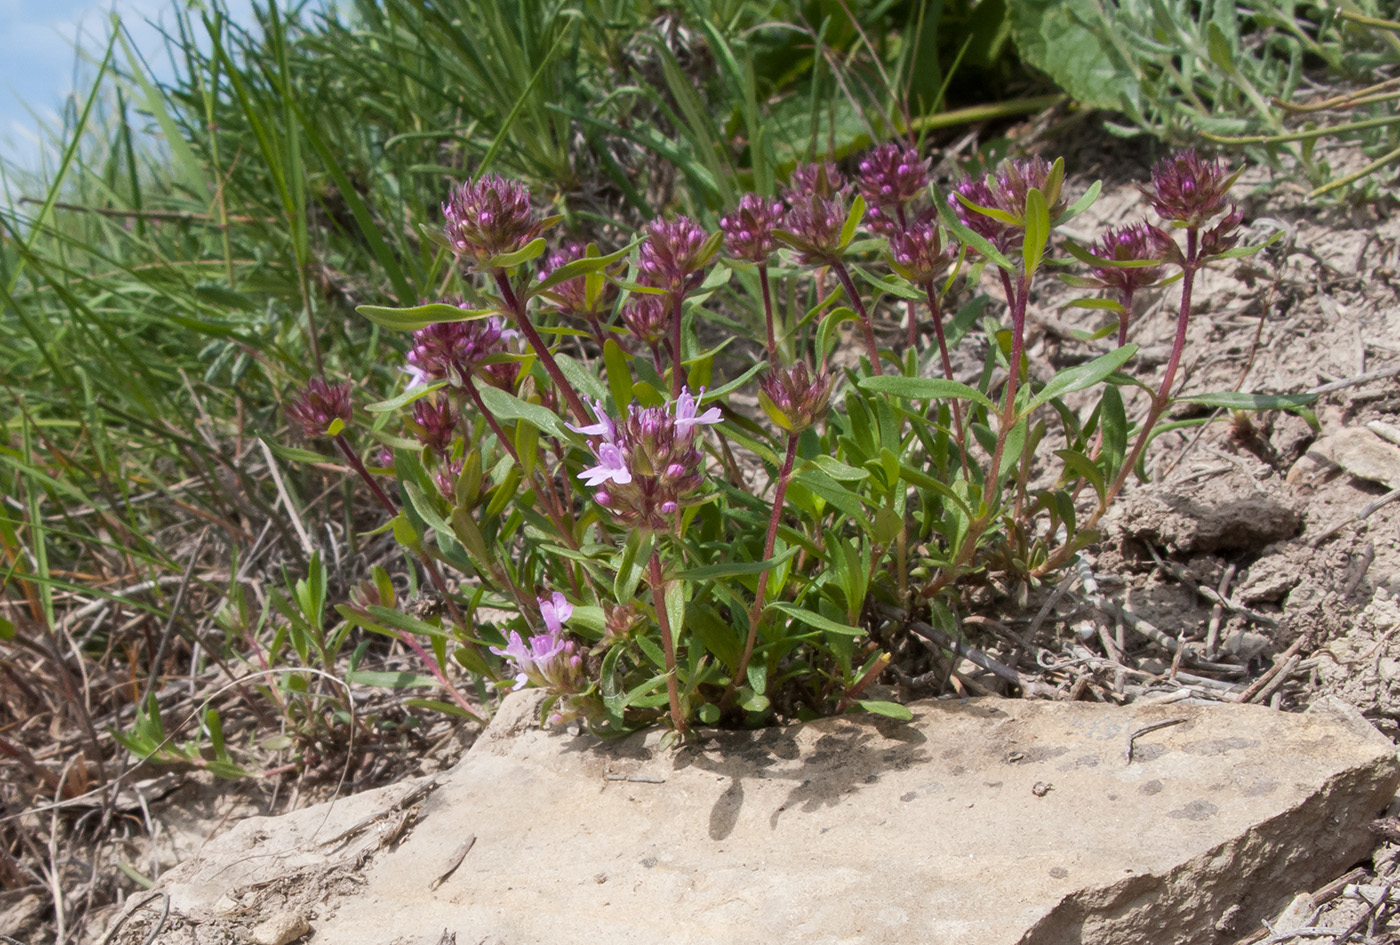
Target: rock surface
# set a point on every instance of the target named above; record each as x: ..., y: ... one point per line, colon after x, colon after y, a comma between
x: 981, y: 822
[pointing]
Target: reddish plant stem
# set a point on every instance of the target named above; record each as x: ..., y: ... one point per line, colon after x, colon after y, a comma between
x: 658, y: 597
x: 842, y: 274
x: 768, y: 312
x: 436, y: 669
x: 553, y: 504
x: 937, y: 315
x: 522, y: 321
x: 1160, y: 402
x: 1018, y: 294
x: 429, y: 565
x: 770, y: 541
x: 676, y: 299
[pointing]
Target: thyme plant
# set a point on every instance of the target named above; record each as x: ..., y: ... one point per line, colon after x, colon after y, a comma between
x: 627, y: 535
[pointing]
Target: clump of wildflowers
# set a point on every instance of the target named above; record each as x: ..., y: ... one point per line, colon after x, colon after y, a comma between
x: 319, y: 405
x: 489, y: 216
x: 649, y: 463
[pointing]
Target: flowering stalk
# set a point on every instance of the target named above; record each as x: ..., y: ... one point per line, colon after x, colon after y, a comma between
x: 838, y: 267
x: 668, y: 643
x: 522, y: 322
x: 936, y: 314
x: 760, y: 594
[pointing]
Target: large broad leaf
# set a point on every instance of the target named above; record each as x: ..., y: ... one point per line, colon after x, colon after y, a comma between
x: 1073, y: 42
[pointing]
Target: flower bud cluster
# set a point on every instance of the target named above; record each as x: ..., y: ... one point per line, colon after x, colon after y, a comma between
x: 650, y: 462
x: 891, y: 177
x: 434, y: 423
x: 748, y: 229
x: 646, y: 317
x: 816, y: 196
x: 1136, y: 242
x: 454, y: 351
x: 1189, y: 189
x: 489, y: 216
x: 918, y: 251
x: 1006, y: 191
x: 673, y: 256
x: 795, y: 398
x: 570, y: 297
x: 318, y: 405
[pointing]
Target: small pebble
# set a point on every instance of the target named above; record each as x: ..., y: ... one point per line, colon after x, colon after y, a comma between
x: 281, y: 929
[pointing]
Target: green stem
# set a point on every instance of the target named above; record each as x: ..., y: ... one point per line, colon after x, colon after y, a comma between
x: 769, y: 543
x: 658, y: 597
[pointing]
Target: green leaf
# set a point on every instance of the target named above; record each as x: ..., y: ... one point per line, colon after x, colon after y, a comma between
x: 1037, y: 234
x: 506, y: 406
x: 1082, y: 376
x: 524, y: 254
x: 1076, y: 45
x: 579, y: 267
x: 838, y: 470
x: 619, y: 376
x: 723, y: 569
x: 420, y: 316
x: 853, y: 218
x: 1219, y: 48
x: 387, y: 680
x: 815, y: 620
x: 924, y: 388
x: 892, y: 710
x: 294, y: 455
x: 1084, y: 467
x: 406, y: 398
x: 1235, y: 400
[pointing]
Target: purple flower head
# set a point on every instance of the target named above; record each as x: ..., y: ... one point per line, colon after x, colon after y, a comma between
x: 452, y: 351
x: 821, y: 179
x: 1006, y: 192
x: 318, y: 405
x: 748, y: 229
x: 1136, y: 242
x: 549, y: 660
x: 489, y: 216
x: 815, y: 224
x: 890, y: 177
x: 1016, y: 178
x: 918, y: 252
x: 648, y: 462
x: 976, y: 191
x: 673, y: 255
x: 795, y: 398
x: 647, y: 317
x: 434, y: 423
x: 1189, y: 189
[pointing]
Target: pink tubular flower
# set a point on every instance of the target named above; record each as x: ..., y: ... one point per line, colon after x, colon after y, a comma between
x: 318, y: 405
x: 748, y: 229
x: 549, y: 660
x: 649, y: 462
x: 489, y: 216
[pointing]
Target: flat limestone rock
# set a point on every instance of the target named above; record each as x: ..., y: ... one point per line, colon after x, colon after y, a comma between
x: 981, y: 822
